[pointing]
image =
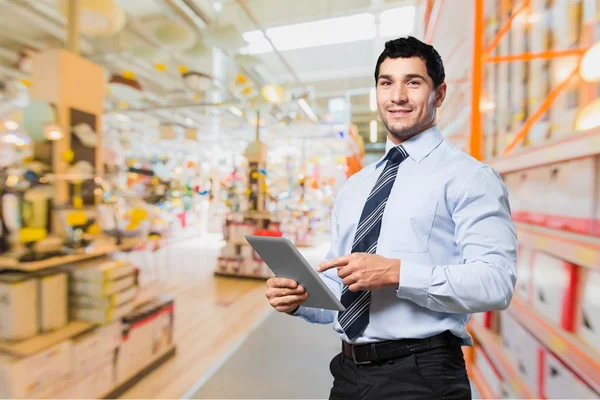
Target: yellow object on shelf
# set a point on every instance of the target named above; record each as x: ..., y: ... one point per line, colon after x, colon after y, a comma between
x: 29, y: 235
x: 77, y: 218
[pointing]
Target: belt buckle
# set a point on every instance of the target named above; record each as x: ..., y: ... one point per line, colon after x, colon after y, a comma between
x: 354, y: 357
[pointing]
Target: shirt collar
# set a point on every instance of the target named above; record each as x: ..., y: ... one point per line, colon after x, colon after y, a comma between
x: 419, y: 146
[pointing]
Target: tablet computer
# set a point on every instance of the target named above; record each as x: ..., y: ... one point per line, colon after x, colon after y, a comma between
x: 284, y: 259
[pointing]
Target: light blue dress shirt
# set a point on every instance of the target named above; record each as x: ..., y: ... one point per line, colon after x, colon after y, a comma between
x: 448, y: 220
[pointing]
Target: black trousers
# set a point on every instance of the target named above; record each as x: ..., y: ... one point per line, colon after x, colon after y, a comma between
x: 438, y: 373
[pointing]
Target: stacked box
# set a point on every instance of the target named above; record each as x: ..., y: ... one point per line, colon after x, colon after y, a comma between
x: 567, y: 25
x: 522, y: 348
x: 557, y: 381
x: 588, y: 309
x: 53, y: 296
x: 518, y: 75
x: 555, y: 289
x: 35, y: 376
x: 93, y: 364
x: 147, y: 335
x: 18, y: 306
x: 524, y: 287
x: 102, y: 292
x: 570, y: 195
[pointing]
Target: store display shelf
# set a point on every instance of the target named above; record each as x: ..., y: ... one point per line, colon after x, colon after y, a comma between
x: 577, y: 146
x: 131, y: 382
x: 483, y: 389
x: 579, y: 249
x: 101, y: 249
x: 582, y: 359
x: 493, y: 348
x: 246, y: 276
x: 44, y: 341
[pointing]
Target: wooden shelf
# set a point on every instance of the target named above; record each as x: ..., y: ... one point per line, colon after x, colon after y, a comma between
x: 493, y: 348
x: 42, y: 342
x: 138, y: 376
x: 483, y: 389
x: 577, y: 146
x: 581, y: 358
x: 579, y: 249
x: 101, y: 249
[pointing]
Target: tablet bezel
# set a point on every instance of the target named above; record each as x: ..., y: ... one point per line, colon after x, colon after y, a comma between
x: 286, y: 261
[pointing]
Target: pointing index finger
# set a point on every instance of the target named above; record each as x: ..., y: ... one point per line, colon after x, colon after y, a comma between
x: 334, y: 262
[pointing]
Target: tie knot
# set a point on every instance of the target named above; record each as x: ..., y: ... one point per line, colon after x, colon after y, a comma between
x: 396, y: 154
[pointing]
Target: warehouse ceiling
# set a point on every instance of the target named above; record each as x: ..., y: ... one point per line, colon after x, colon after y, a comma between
x: 355, y: 31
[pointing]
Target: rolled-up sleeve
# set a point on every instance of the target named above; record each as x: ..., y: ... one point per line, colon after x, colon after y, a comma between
x: 486, y: 236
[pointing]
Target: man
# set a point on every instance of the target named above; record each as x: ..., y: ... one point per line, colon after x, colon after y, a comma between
x: 420, y: 240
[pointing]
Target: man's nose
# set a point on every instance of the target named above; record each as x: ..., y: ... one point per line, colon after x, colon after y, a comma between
x: 399, y: 95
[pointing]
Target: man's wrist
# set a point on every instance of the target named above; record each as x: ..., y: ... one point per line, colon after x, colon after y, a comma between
x: 394, y: 273
x: 293, y: 312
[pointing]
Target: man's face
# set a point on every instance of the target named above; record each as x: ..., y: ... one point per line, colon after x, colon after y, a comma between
x: 406, y: 99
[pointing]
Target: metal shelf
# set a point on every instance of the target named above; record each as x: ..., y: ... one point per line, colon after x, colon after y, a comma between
x: 564, y: 149
x: 579, y: 249
x: 582, y: 359
x: 493, y: 348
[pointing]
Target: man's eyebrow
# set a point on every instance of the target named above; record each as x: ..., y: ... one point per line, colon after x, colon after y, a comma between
x: 413, y: 76
x: 406, y: 77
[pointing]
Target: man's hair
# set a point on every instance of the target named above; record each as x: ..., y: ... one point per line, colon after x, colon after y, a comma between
x: 408, y: 47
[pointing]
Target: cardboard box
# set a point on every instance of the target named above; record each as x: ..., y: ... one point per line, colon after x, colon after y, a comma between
x: 102, y: 315
x: 555, y: 289
x: 35, y: 376
x: 524, y: 287
x: 95, y: 271
x: 18, y: 306
x: 514, y: 182
x: 588, y: 309
x: 538, y: 88
x: 95, y: 383
x: 534, y: 189
x: 147, y: 334
x: 518, y: 79
x: 566, y: 25
x: 522, y: 348
x: 559, y: 382
x: 95, y: 345
x: 488, y: 371
x: 571, y: 195
x: 53, y: 301
x: 99, y: 289
x: 104, y: 302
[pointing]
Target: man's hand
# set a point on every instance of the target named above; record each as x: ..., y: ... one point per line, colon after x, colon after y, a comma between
x: 363, y: 271
x: 285, y: 295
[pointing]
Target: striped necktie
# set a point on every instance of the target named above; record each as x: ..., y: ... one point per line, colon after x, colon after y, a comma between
x: 356, y: 315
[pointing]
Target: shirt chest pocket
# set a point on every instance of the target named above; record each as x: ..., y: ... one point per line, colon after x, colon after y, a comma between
x: 407, y: 227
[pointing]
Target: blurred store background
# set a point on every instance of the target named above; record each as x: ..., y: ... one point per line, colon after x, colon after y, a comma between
x: 140, y: 140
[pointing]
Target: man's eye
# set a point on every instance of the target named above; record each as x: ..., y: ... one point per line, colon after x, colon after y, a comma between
x: 414, y: 83
x: 385, y: 83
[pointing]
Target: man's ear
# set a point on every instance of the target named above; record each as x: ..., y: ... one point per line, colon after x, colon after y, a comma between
x: 440, y: 94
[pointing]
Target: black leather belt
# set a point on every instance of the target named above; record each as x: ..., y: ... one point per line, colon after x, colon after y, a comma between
x: 389, y: 350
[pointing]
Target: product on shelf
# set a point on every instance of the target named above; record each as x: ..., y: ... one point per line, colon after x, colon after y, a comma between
x: 237, y: 258
x: 554, y: 289
x: 147, y: 336
x: 588, y: 312
x: 102, y: 291
x: 557, y: 381
x: 53, y: 301
x: 520, y: 346
x: 35, y: 376
x: 18, y: 306
x: 488, y: 372
x: 93, y: 364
